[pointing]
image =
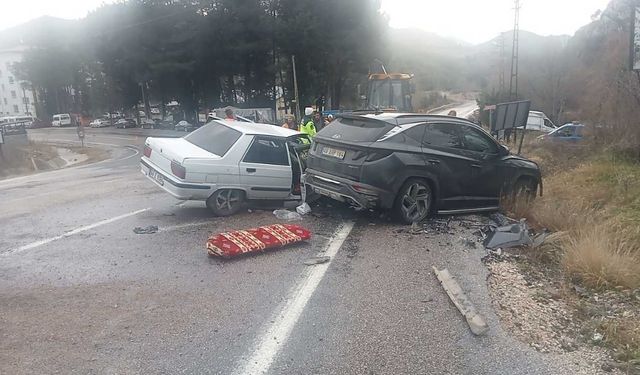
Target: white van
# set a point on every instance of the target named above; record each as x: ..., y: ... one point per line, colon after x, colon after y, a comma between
x: 540, y: 122
x: 62, y: 119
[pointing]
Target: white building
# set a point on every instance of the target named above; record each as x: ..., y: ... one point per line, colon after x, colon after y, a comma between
x: 16, y: 98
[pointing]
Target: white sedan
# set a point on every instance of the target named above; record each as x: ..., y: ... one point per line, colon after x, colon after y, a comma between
x: 227, y: 163
x: 100, y: 123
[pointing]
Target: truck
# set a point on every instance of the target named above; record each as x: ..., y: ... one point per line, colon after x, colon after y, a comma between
x: 389, y: 91
x: 538, y: 121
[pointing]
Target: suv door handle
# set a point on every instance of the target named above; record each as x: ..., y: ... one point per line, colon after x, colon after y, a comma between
x: 433, y: 161
x: 251, y: 170
x: 476, y: 166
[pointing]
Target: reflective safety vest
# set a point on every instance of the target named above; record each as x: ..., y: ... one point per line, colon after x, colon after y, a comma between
x: 309, y: 128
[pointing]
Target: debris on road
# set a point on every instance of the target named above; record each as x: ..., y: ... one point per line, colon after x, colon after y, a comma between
x: 468, y: 242
x: 429, y: 226
x: 287, y: 215
x: 476, y: 322
x: 234, y: 243
x: 317, y: 260
x: 501, y: 219
x: 303, y: 209
x: 509, y: 236
x: 151, y: 229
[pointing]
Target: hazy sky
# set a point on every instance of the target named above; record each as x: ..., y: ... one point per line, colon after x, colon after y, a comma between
x: 477, y: 21
x: 473, y: 21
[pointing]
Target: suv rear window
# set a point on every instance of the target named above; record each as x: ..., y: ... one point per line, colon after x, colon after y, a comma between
x: 214, y: 137
x: 356, y: 130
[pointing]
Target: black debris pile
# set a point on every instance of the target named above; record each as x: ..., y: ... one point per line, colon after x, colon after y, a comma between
x: 433, y: 226
x: 151, y: 229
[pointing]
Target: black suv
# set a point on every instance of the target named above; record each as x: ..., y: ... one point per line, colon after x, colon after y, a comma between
x: 416, y: 164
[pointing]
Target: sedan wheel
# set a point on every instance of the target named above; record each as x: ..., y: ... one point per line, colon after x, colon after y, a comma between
x: 226, y: 202
x: 414, y: 201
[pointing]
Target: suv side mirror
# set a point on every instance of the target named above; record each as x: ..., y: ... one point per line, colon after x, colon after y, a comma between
x: 504, y: 150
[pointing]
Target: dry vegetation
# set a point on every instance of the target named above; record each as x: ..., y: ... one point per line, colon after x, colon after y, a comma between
x: 592, y: 204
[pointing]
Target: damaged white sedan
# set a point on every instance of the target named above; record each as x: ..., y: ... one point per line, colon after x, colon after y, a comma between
x: 227, y: 163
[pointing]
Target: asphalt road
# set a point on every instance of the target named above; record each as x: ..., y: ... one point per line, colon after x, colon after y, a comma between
x: 463, y: 110
x: 81, y: 293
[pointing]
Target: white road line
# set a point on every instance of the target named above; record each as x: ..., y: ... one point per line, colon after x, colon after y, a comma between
x: 277, y: 333
x: 45, y: 241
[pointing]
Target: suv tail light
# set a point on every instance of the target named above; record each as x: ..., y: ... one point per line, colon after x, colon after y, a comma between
x: 178, y: 170
x: 147, y: 151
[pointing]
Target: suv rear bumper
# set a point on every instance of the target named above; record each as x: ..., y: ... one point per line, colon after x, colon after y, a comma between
x: 344, y: 190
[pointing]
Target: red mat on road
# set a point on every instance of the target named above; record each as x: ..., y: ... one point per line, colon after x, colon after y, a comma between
x: 230, y: 244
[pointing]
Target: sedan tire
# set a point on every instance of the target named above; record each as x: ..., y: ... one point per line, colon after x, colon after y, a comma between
x: 413, y: 202
x: 226, y: 202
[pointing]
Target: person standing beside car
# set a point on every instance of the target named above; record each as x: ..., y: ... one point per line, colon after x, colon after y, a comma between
x: 289, y: 123
x: 318, y: 122
x: 308, y: 127
x: 228, y: 115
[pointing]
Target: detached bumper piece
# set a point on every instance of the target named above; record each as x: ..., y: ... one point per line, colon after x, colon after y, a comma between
x: 231, y: 244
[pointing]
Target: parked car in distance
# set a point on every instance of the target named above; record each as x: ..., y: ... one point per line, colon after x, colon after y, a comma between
x: 27, y: 121
x: 184, y: 126
x: 538, y: 121
x: 124, y: 123
x: 213, y: 116
x: 228, y: 163
x: 62, y: 119
x: 13, y: 128
x: 100, y: 123
x: 163, y: 124
x: 146, y: 123
x: 415, y: 164
x: 572, y: 132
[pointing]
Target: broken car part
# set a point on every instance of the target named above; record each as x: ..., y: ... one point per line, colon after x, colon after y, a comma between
x: 476, y: 322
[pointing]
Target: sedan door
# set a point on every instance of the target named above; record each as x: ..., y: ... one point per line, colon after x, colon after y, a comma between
x: 265, y: 169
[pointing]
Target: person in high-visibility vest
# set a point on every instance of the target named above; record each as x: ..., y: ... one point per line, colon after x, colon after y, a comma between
x: 308, y: 128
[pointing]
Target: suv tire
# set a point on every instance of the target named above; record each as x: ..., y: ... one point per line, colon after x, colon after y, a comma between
x: 413, y: 202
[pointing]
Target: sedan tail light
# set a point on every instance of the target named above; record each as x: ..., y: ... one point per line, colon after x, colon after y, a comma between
x: 147, y: 151
x: 178, y: 170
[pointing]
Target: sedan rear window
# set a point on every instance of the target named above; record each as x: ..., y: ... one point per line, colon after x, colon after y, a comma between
x: 356, y: 130
x: 214, y: 137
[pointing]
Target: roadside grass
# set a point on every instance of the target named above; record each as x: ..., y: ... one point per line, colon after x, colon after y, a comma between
x: 591, y: 203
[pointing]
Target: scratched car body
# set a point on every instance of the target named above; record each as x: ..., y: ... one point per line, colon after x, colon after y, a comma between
x: 416, y: 164
x: 228, y: 163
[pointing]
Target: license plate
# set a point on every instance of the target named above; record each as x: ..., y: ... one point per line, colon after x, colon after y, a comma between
x: 156, y: 176
x: 328, y: 151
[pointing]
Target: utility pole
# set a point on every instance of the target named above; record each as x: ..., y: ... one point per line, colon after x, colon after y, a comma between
x: 513, y: 81
x: 295, y: 87
x: 502, y: 66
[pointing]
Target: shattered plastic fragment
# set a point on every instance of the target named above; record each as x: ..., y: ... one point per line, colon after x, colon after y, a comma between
x: 509, y: 236
x: 317, y: 260
x: 303, y: 209
x: 287, y: 215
